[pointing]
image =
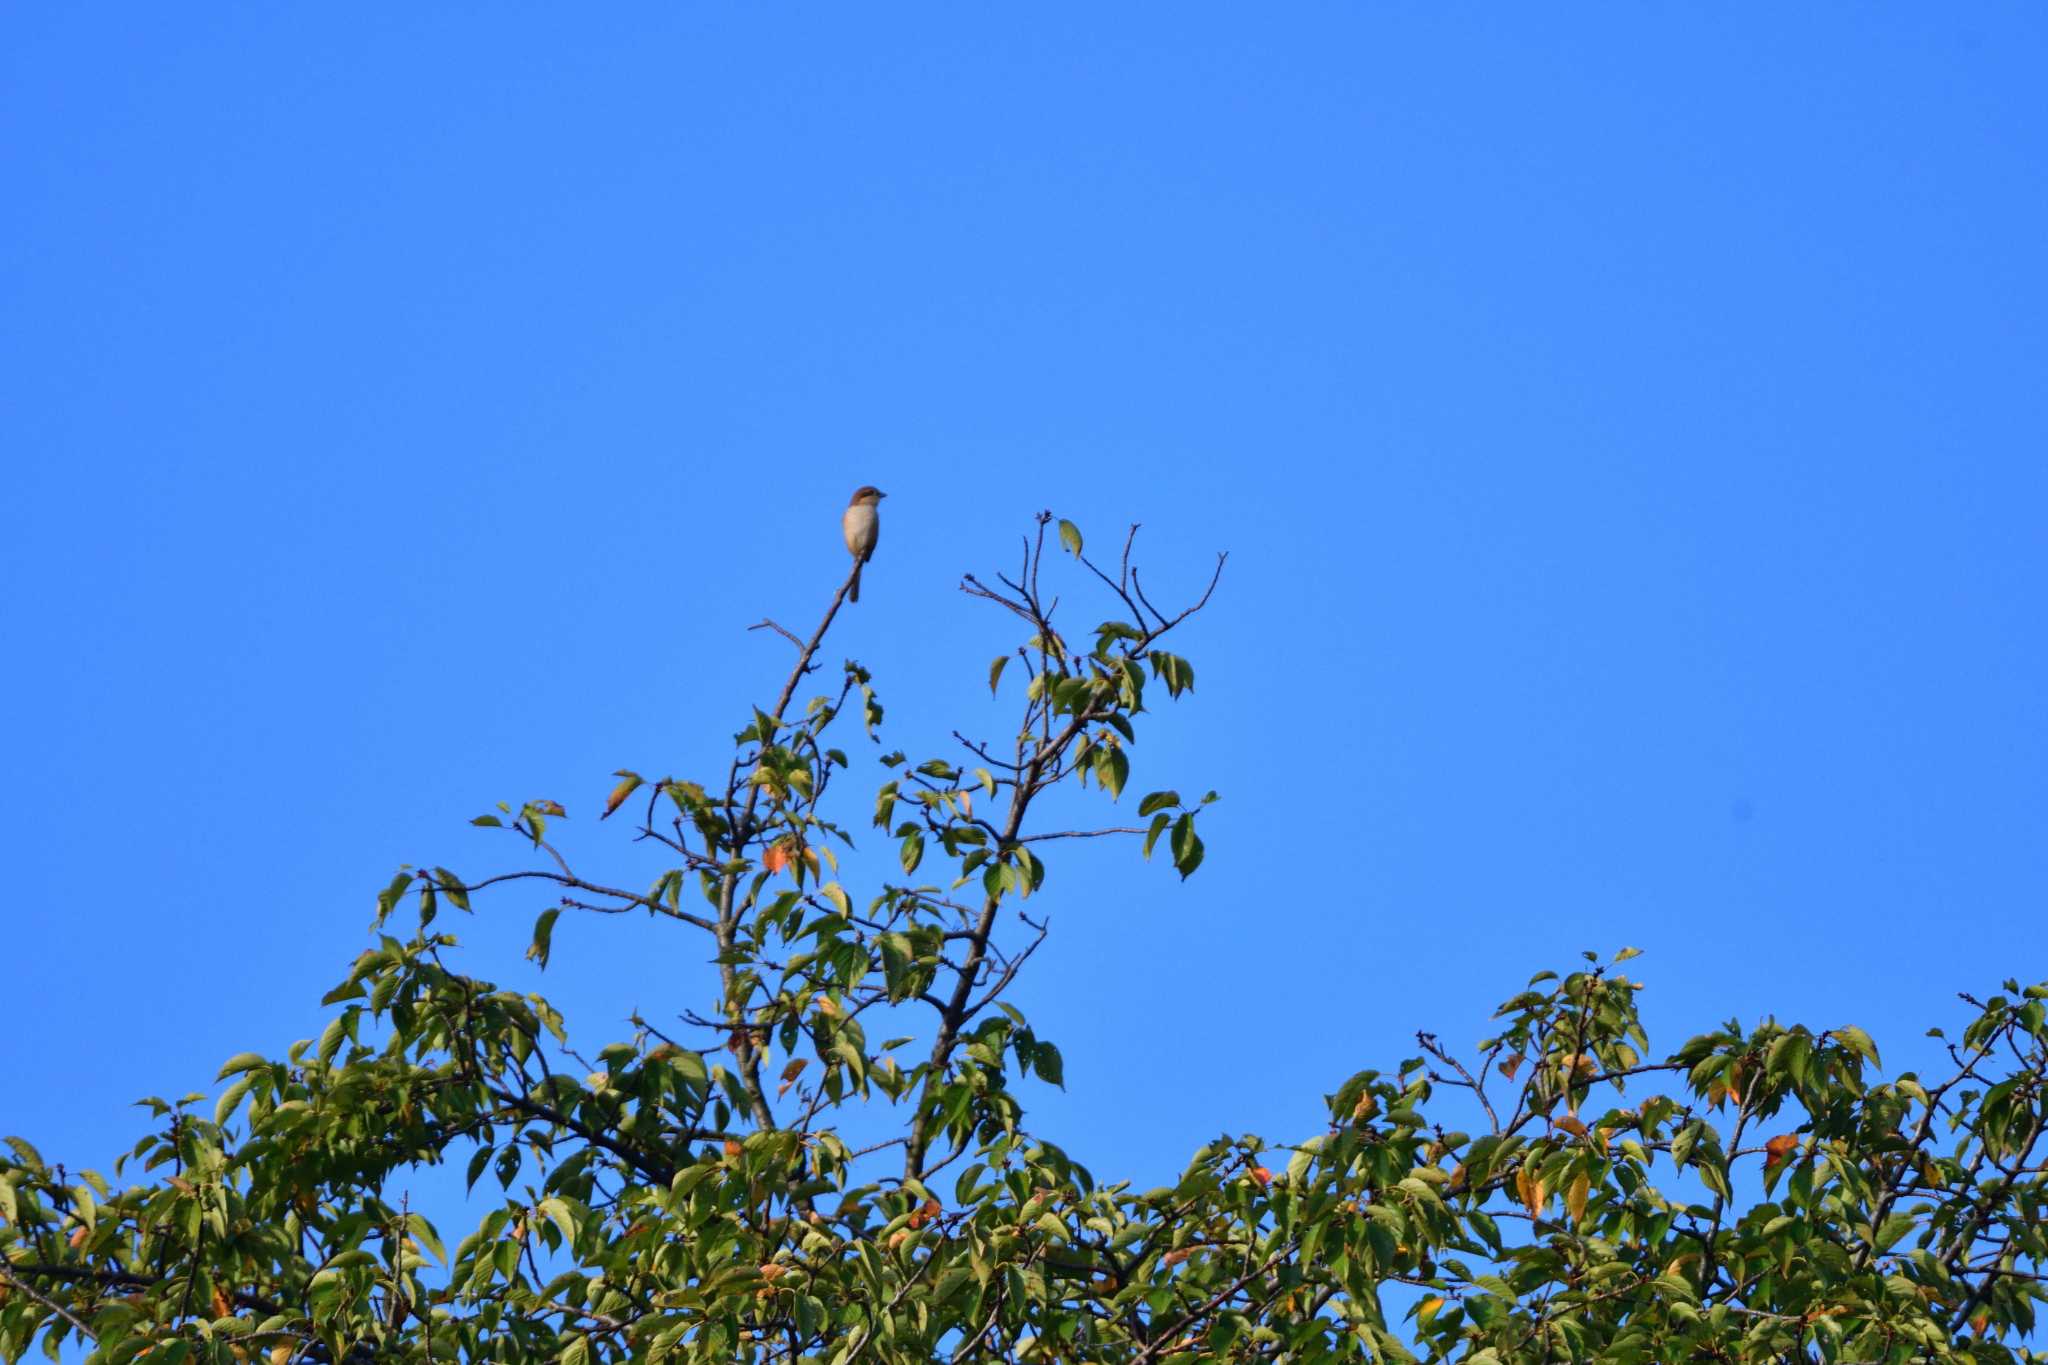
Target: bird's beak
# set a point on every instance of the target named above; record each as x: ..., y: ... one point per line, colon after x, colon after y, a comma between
x: 879, y: 495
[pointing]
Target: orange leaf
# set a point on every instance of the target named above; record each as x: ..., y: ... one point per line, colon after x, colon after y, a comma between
x: 1571, y: 1125
x: 1779, y: 1148
x: 619, y: 794
x: 1263, y: 1176
x: 776, y: 858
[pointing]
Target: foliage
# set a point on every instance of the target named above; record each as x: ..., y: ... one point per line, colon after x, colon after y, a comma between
x: 694, y: 1194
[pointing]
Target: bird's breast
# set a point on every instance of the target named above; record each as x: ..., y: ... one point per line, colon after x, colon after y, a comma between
x: 860, y: 524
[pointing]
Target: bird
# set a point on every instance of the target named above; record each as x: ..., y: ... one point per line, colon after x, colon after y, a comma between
x: 862, y: 524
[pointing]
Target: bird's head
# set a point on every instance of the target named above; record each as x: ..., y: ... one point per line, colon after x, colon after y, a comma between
x: 867, y: 495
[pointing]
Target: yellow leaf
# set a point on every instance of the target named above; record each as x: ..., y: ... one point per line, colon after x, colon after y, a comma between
x: 1575, y: 1197
x: 620, y: 793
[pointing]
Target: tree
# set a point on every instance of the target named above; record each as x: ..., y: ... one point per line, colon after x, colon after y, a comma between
x: 693, y: 1194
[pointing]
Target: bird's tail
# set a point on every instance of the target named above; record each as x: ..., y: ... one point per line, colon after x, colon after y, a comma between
x: 853, y: 593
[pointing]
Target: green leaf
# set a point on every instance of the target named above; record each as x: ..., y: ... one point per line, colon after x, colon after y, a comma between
x: 336, y: 1032
x: 1158, y: 801
x: 231, y: 1099
x: 544, y: 935
x: 387, y: 899
x: 557, y: 1211
x: 453, y: 888
x: 1070, y: 537
x: 424, y: 1232
x: 1859, y: 1042
x: 1112, y: 770
x: 1187, y: 846
x: 995, y: 672
x: 1159, y: 824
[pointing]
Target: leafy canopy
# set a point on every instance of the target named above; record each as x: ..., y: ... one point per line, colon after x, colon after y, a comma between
x: 695, y: 1193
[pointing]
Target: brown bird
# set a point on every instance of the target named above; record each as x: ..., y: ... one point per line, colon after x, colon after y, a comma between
x: 862, y: 524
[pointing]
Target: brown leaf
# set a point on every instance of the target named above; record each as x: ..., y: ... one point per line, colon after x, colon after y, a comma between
x: 1570, y: 1124
x: 776, y: 858
x: 1779, y: 1148
x: 223, y: 1303
x: 619, y: 794
x: 1509, y: 1067
x: 78, y: 1235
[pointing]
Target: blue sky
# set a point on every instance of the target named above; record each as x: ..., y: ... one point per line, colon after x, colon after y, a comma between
x: 1627, y: 426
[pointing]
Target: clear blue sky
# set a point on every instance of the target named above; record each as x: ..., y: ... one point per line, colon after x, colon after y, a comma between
x: 1627, y: 423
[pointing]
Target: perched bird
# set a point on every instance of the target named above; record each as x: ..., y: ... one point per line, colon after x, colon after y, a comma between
x: 863, y: 527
